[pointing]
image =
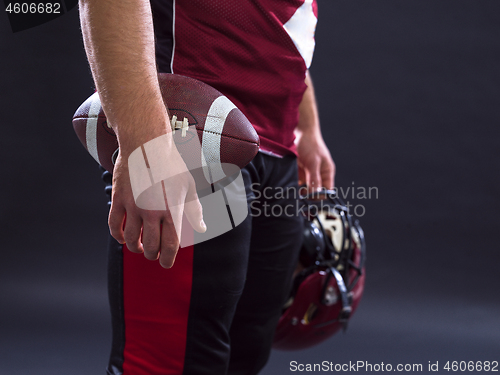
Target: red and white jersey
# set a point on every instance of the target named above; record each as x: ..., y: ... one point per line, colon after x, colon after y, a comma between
x: 256, y: 52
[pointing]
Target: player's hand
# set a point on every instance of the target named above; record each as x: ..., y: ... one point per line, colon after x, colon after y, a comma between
x: 316, y: 166
x: 155, y: 233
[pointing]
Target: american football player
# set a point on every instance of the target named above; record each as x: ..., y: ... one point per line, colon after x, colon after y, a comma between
x: 210, y: 308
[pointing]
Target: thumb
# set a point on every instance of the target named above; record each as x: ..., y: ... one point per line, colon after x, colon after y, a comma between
x: 194, y: 211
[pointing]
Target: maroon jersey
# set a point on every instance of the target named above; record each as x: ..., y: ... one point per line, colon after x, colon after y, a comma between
x: 256, y: 52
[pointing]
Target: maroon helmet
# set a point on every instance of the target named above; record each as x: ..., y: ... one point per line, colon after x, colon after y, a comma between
x: 330, y: 276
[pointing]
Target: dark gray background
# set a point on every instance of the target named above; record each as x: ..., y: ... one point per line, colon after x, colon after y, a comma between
x: 409, y: 101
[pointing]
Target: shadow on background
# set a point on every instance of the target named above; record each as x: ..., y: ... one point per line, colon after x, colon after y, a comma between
x: 408, y: 95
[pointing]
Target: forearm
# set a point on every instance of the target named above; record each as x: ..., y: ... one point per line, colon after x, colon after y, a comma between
x: 316, y: 167
x: 308, y: 111
x: 119, y: 41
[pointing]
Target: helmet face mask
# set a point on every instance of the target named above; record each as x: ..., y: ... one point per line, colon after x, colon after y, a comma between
x: 329, y: 279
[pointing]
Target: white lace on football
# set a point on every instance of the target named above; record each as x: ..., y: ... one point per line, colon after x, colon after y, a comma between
x: 183, y: 125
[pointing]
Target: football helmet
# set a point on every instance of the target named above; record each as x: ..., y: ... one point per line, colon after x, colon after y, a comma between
x: 329, y: 280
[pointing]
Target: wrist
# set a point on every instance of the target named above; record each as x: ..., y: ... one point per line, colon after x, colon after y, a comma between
x: 135, y: 134
x: 309, y: 132
x: 134, y: 128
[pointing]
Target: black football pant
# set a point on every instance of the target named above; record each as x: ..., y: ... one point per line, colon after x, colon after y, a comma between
x: 215, y: 311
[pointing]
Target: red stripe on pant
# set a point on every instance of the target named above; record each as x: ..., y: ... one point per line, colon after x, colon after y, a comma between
x: 156, y: 304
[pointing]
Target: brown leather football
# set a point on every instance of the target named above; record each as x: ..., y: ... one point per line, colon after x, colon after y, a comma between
x: 225, y: 134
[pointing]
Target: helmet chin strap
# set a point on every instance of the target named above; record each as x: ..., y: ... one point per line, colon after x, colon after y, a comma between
x: 345, y: 297
x: 328, y: 293
x: 362, y: 257
x: 330, y: 280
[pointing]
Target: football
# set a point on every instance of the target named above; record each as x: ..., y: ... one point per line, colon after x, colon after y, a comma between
x: 225, y: 135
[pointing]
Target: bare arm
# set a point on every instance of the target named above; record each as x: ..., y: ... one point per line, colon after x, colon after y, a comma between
x: 316, y: 167
x: 119, y: 41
